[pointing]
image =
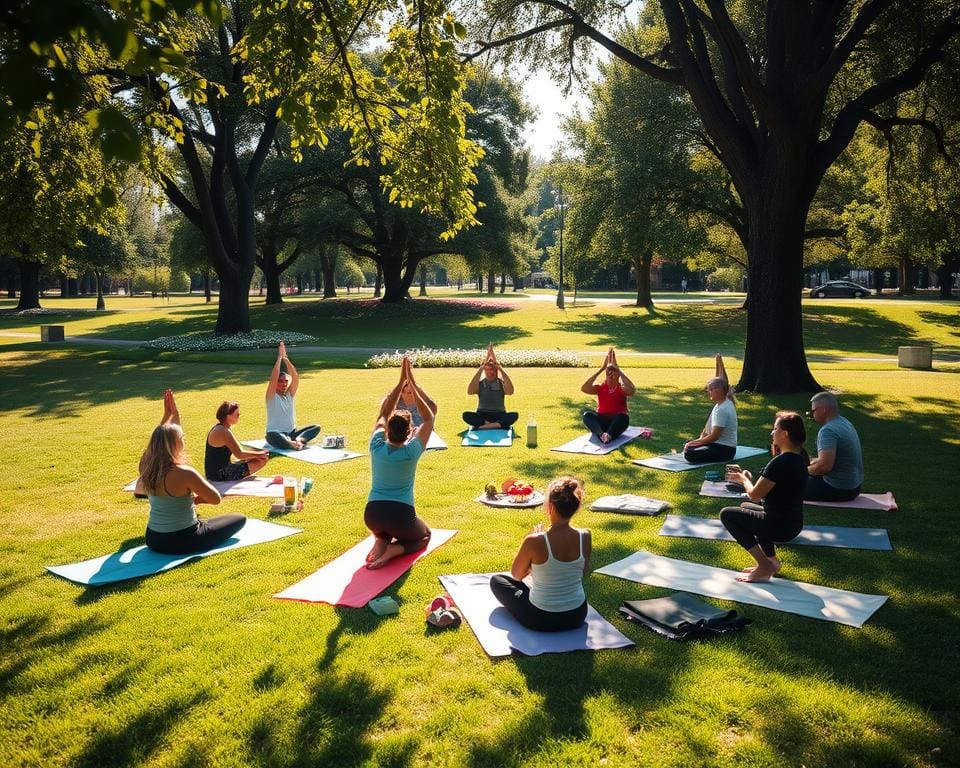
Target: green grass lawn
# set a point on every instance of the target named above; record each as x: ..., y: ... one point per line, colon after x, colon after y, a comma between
x: 200, y: 667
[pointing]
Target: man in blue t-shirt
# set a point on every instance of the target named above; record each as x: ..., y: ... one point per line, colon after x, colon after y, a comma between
x: 836, y: 473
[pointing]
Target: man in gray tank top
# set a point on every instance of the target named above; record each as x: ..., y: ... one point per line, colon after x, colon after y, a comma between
x: 282, y: 431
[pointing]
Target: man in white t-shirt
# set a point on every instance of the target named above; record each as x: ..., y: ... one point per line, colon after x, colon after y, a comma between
x: 282, y: 431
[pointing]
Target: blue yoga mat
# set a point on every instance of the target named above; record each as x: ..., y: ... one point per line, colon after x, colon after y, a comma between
x: 488, y: 438
x: 140, y: 561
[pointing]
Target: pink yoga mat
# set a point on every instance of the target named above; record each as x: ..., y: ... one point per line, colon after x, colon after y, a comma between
x: 254, y: 485
x: 884, y: 501
x: 346, y: 580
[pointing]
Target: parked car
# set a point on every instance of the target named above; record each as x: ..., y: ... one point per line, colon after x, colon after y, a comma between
x: 839, y: 288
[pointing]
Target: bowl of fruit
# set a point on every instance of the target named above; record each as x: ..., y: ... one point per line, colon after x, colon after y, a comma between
x: 519, y: 491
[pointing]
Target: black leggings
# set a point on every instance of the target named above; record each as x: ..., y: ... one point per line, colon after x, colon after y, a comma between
x: 751, y: 525
x: 514, y: 595
x: 286, y: 439
x: 710, y: 453
x: 612, y: 423
x: 506, y: 419
x: 397, y: 523
x: 204, y: 535
x: 819, y: 489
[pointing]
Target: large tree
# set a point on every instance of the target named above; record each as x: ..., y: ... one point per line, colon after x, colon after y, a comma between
x: 780, y: 88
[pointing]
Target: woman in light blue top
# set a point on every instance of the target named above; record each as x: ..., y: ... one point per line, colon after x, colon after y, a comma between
x: 174, y: 488
x: 556, y: 560
x: 395, y: 449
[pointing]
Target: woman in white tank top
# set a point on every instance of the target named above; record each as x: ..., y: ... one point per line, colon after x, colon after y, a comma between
x: 555, y: 560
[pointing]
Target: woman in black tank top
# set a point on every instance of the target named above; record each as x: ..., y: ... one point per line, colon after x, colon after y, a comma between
x: 221, y: 444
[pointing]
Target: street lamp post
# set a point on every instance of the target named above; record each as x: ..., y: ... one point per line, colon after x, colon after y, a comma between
x: 560, y: 204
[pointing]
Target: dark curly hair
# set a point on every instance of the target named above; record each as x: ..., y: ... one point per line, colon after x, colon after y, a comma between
x: 398, y: 427
x: 565, y: 494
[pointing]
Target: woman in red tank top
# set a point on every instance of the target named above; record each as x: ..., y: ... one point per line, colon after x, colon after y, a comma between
x: 612, y: 416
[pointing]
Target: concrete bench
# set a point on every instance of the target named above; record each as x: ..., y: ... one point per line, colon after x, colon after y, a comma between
x: 51, y: 333
x: 915, y: 357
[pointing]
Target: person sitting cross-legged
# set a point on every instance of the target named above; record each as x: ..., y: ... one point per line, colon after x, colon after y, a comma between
x: 612, y: 416
x: 490, y: 383
x: 282, y: 430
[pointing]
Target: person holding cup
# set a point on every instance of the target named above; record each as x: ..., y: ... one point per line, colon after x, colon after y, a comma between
x: 775, y: 510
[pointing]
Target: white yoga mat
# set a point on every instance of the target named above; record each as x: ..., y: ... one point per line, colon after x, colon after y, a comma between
x: 873, y: 501
x: 674, y: 462
x: 313, y: 454
x: 500, y: 634
x: 630, y: 504
x: 435, y: 443
x: 811, y: 535
x: 488, y: 438
x: 588, y: 443
x: 141, y: 561
x: 254, y: 485
x: 503, y: 500
x: 811, y: 600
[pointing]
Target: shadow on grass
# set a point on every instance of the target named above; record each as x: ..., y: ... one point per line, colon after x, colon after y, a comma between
x: 329, y: 729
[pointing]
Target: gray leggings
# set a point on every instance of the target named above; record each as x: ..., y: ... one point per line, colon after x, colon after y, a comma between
x: 286, y: 439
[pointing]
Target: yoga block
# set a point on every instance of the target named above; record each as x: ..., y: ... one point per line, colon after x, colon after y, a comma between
x: 51, y: 333
x: 915, y: 357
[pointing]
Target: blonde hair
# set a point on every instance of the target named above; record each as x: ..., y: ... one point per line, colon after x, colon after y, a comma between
x: 164, y: 452
x: 565, y: 494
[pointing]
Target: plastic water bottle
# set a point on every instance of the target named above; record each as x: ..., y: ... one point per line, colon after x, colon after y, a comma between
x: 532, y: 433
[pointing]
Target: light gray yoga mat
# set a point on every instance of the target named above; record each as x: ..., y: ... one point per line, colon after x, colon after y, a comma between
x: 313, y: 454
x: 435, y: 443
x: 500, y: 634
x: 674, y: 462
x: 141, y: 561
x: 591, y: 445
x: 488, y: 438
x: 811, y: 535
x: 811, y: 600
x: 503, y: 500
x: 875, y: 501
x: 252, y: 485
x: 629, y: 504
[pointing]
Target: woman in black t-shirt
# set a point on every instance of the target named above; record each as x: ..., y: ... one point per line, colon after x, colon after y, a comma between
x: 779, y: 490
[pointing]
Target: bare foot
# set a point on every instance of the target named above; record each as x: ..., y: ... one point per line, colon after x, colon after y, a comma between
x: 776, y: 564
x: 379, y: 547
x: 605, y: 438
x: 392, y: 551
x: 490, y: 425
x: 759, y: 574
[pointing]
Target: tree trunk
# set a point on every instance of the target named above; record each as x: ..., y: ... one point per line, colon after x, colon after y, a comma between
x: 503, y: 282
x: 300, y: 283
x: 423, y: 279
x: 329, y: 279
x: 641, y: 265
x: 101, y: 304
x: 271, y: 276
x: 73, y: 287
x: 29, y: 285
x: 233, y: 312
x: 878, y: 280
x: 64, y: 289
x: 774, y: 360
x: 396, y: 279
x: 907, y: 285
x: 378, y: 284
x: 945, y: 276
x: 517, y: 283
x: 207, y: 297
x: 491, y: 281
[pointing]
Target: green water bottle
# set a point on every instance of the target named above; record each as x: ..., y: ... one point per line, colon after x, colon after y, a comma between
x: 532, y: 433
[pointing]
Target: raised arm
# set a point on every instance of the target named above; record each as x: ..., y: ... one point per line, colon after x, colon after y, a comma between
x: 426, y: 407
x: 275, y: 373
x: 625, y: 383
x: 171, y: 414
x: 505, y: 378
x: 589, y: 387
x: 473, y: 387
x: 389, y: 403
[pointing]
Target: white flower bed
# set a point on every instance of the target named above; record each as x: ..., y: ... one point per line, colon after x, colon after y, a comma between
x: 470, y: 358
x: 206, y: 342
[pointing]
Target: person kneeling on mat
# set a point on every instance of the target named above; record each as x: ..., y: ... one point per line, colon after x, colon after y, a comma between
x: 779, y: 489
x: 395, y: 449
x: 282, y: 431
x: 174, y: 488
x: 222, y: 444
x: 556, y: 561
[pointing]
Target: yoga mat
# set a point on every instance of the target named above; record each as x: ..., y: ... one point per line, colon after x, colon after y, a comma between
x: 346, y: 580
x: 811, y: 600
x: 435, y: 443
x: 811, y: 535
x: 313, y: 454
x: 630, y: 504
x: 588, y: 443
x: 873, y: 501
x: 674, y: 462
x: 254, y: 485
x: 502, y: 500
x: 141, y: 561
x: 500, y: 634
x: 488, y: 438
